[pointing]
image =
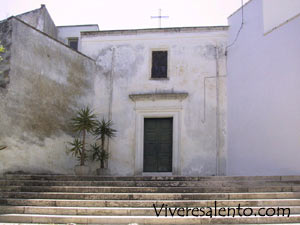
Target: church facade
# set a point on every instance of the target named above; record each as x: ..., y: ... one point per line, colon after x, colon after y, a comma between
x: 167, y: 86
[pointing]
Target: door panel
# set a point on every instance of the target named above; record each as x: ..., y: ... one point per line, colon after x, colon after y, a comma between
x: 158, y: 141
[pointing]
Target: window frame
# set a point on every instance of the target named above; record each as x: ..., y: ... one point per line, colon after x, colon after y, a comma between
x: 150, y: 63
x: 70, y: 39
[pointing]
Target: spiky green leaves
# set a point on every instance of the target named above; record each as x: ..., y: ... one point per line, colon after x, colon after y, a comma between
x: 76, y: 148
x: 104, y: 129
x: 98, y: 153
x: 85, y: 120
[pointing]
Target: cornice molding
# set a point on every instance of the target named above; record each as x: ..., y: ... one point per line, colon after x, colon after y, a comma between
x: 158, y: 96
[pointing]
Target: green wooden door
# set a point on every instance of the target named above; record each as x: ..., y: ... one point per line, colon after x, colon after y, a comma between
x: 158, y: 140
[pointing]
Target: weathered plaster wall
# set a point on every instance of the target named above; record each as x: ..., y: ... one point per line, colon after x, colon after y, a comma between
x: 47, y: 82
x: 125, y: 56
x: 41, y: 20
x: 263, y: 96
x: 5, y: 38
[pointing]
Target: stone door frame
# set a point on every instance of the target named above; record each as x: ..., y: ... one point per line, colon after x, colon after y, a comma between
x: 158, y: 105
x: 139, y: 153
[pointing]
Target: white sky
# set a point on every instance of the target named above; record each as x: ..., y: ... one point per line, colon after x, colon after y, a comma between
x: 128, y: 14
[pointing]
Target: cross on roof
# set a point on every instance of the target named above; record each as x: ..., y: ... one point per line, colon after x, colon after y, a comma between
x: 159, y: 17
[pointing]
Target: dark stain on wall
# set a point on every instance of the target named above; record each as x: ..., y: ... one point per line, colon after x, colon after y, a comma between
x: 5, y: 38
x: 49, y: 82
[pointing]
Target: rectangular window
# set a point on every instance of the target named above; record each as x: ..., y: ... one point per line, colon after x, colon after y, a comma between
x: 159, y: 64
x: 73, y: 43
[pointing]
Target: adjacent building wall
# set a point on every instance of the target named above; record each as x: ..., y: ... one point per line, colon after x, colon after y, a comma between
x: 47, y: 82
x: 263, y: 96
x: 41, y: 20
x: 124, y: 58
x: 277, y: 12
x: 5, y: 39
x: 65, y: 32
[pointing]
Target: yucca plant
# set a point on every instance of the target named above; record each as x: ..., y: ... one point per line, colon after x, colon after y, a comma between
x: 84, y: 122
x: 76, y: 149
x: 99, y: 154
x: 104, y: 131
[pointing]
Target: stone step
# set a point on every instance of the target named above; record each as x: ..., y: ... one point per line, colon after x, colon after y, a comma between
x: 147, y: 183
x: 107, y: 189
x: 148, y: 178
x: 149, y: 196
x: 132, y: 224
x: 38, y: 218
x: 126, y: 200
x: 115, y: 211
x: 148, y: 203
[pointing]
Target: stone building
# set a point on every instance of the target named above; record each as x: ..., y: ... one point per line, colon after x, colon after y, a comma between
x: 171, y: 80
x: 189, y: 93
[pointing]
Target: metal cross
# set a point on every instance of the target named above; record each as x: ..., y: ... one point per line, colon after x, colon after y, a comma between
x: 159, y: 17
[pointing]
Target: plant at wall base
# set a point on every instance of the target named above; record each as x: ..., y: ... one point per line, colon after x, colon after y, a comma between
x: 83, y: 123
x: 76, y: 149
x: 99, y: 154
x: 103, y: 131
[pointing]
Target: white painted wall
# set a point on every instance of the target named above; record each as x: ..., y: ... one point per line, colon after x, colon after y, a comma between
x: 191, y: 60
x: 277, y: 12
x: 65, y: 32
x: 263, y: 96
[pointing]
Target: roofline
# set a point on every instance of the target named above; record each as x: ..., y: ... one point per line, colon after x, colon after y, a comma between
x: 155, y: 30
x: 239, y: 9
x: 81, y: 25
x: 41, y: 32
x: 42, y: 6
x: 8, y: 18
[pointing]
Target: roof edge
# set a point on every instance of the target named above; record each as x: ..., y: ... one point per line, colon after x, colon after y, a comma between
x: 42, y: 6
x: 80, y: 25
x: 239, y: 9
x: 41, y: 32
x: 155, y: 30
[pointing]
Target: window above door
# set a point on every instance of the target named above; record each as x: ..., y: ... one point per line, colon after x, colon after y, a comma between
x: 159, y: 64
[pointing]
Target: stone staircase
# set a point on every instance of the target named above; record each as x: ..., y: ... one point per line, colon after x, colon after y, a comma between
x: 61, y: 199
